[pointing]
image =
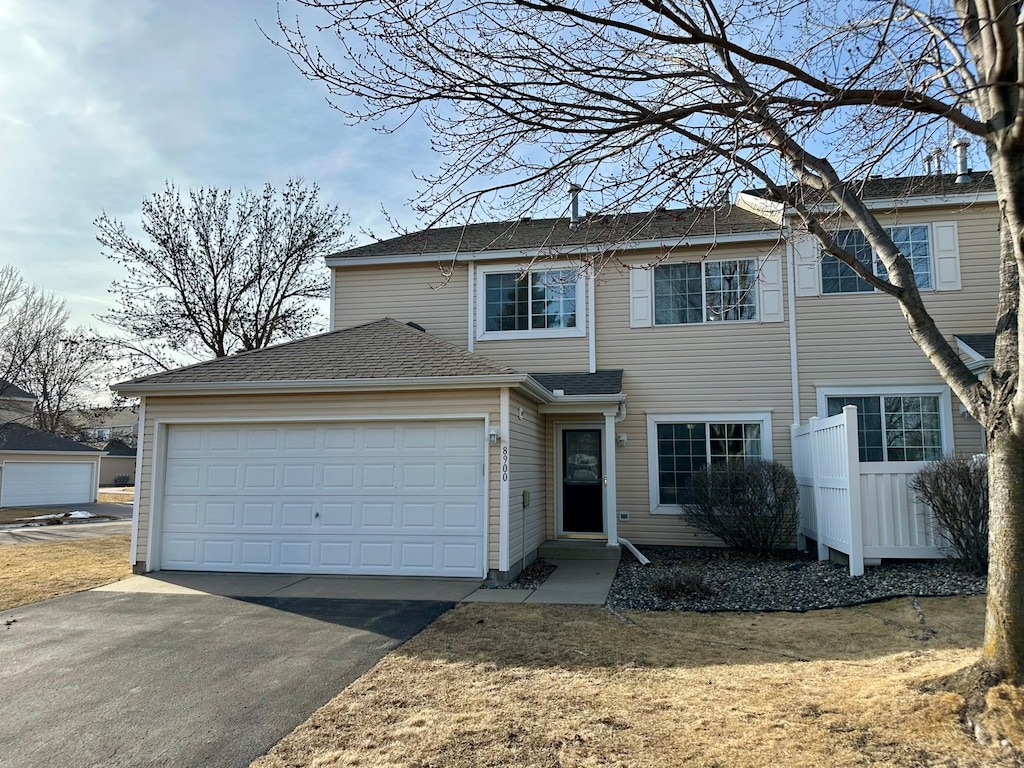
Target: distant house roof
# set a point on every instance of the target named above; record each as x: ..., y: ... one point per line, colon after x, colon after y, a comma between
x: 383, y: 349
x: 19, y: 437
x: 9, y: 391
x: 983, y: 344
x: 936, y: 185
x: 607, y: 382
x: 118, y: 448
x: 533, y: 234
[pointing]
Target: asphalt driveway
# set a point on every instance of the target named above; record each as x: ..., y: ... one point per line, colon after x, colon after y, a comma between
x: 129, y: 679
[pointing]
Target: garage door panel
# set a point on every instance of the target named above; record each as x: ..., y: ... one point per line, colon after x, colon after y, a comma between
x: 27, y: 483
x: 376, y: 499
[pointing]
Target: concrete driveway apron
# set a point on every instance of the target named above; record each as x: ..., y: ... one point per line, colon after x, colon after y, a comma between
x: 107, y: 678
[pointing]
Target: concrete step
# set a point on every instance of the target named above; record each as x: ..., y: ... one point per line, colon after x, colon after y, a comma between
x: 578, y: 549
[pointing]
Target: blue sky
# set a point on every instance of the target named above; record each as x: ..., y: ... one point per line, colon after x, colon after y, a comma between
x: 104, y: 100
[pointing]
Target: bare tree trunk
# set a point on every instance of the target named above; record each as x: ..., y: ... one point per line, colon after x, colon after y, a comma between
x: 1004, y: 622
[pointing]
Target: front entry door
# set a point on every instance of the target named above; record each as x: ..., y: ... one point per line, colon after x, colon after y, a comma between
x: 582, y: 482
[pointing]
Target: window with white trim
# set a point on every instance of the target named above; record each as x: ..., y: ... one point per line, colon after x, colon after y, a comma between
x: 679, y: 447
x: 895, y: 427
x: 535, y: 302
x: 705, y: 292
x: 913, y: 241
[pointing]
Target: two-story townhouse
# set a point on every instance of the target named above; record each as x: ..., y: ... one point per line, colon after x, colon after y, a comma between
x: 490, y: 387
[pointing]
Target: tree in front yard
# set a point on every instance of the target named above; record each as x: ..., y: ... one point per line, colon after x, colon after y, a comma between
x: 219, y: 272
x: 651, y: 101
x: 29, y: 317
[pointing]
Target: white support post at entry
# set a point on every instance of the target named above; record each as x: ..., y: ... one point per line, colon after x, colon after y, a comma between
x: 611, y: 513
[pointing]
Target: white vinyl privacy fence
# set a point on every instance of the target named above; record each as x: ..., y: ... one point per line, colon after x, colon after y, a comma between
x: 863, y: 509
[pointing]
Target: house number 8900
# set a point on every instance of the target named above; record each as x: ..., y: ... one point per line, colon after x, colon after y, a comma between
x: 504, y: 463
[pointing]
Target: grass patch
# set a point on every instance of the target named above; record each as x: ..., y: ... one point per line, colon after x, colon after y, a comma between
x: 499, y: 685
x: 33, y: 572
x: 116, y: 495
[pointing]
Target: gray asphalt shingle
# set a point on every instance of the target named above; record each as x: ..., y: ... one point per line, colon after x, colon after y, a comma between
x: 19, y: 437
x: 382, y: 349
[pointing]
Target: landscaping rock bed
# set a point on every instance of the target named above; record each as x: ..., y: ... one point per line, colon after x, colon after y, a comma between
x: 531, y: 577
x: 707, y: 579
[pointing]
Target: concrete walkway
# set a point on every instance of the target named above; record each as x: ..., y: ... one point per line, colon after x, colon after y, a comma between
x: 574, y: 582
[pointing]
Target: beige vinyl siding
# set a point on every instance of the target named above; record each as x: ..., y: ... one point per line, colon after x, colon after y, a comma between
x: 538, y: 355
x: 862, y: 339
x: 352, y: 406
x: 527, y: 473
x: 115, y: 466
x: 419, y: 293
x: 711, y: 368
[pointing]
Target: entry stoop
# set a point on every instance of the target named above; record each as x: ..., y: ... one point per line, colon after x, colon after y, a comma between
x: 579, y: 549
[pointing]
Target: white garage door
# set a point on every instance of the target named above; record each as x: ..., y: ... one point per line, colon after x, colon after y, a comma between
x: 372, y: 499
x: 27, y: 483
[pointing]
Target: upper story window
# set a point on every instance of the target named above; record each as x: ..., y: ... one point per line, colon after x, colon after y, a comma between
x: 897, y: 424
x: 541, y: 302
x: 913, y: 241
x: 705, y: 292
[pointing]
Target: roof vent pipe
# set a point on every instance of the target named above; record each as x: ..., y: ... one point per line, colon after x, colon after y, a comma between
x: 574, y: 205
x: 963, y: 173
x: 928, y: 162
x: 938, y: 153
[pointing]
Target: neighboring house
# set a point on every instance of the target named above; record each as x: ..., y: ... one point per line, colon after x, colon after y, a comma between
x: 16, y: 404
x: 519, y: 396
x: 38, y: 468
x: 98, y: 425
x: 117, y: 466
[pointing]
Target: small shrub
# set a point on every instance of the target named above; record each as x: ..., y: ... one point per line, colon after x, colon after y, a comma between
x: 121, y: 479
x: 680, y: 584
x: 956, y: 490
x: 750, y: 505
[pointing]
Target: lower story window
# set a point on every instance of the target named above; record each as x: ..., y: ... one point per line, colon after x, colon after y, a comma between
x: 685, y: 447
x: 895, y: 427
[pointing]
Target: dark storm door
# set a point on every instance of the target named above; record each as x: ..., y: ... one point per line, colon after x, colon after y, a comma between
x: 582, y: 482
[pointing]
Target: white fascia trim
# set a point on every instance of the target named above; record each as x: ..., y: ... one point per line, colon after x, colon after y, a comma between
x: 326, y: 385
x: 764, y: 418
x: 563, y: 251
x: 330, y: 306
x: 894, y: 203
x: 320, y: 419
x: 904, y: 390
x: 589, y: 404
x: 968, y: 351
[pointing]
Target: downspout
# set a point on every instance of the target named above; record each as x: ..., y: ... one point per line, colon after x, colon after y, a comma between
x: 794, y: 371
x: 470, y: 319
x: 591, y: 313
x: 330, y: 300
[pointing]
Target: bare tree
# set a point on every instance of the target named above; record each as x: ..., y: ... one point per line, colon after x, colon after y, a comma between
x: 220, y: 273
x: 654, y: 100
x: 64, y: 373
x: 28, y: 317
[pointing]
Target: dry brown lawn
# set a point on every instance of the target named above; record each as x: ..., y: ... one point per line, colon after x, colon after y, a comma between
x: 33, y: 572
x: 546, y: 686
x: 116, y: 494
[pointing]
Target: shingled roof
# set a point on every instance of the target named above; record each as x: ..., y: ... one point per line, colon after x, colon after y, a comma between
x: 606, y: 382
x: 11, y: 391
x: 383, y: 349
x: 533, y: 234
x: 19, y: 437
x: 936, y: 185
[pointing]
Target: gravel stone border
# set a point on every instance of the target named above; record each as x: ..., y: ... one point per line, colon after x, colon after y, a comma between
x: 531, y: 577
x: 794, y: 582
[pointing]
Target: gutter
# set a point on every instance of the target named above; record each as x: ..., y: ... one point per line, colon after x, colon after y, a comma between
x: 568, y: 250
x: 336, y: 385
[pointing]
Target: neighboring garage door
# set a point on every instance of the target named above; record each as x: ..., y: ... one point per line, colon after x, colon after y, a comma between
x: 376, y: 498
x: 27, y: 483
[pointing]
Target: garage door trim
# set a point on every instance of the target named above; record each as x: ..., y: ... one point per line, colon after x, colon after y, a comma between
x: 159, y: 462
